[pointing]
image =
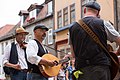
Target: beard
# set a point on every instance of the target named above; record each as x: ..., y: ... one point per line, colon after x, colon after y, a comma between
x: 22, y: 40
x: 43, y: 36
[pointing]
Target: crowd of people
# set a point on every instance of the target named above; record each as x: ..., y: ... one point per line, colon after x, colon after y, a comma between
x: 24, y: 59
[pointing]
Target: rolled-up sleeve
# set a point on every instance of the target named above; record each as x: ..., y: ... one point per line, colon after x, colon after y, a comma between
x: 112, y: 34
x: 6, y: 54
x: 31, y: 51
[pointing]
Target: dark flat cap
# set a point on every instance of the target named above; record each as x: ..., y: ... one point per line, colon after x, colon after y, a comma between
x: 93, y: 5
x: 40, y: 26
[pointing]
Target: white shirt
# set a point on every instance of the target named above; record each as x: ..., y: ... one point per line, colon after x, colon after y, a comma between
x: 51, y: 78
x: 21, y: 56
x: 112, y: 34
x: 32, y: 50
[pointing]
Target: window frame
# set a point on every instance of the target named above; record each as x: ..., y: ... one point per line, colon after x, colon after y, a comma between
x: 72, y: 11
x: 33, y: 13
x: 59, y: 19
x: 50, y: 36
x: 65, y: 16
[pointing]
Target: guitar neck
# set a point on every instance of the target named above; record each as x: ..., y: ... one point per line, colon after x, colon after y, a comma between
x: 63, y: 60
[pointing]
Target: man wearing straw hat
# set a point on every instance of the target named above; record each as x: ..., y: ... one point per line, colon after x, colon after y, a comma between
x: 15, y: 56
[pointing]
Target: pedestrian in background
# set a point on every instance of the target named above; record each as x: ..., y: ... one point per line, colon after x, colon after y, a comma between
x: 61, y: 75
x: 70, y: 69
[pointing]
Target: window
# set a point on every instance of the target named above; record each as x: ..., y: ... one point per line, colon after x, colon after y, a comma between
x: 64, y: 50
x: 50, y: 36
x: 50, y: 7
x: 68, y: 50
x: 33, y: 14
x: 29, y: 37
x: 65, y: 14
x: 37, y: 11
x: 49, y: 23
x: 43, y: 42
x: 59, y: 19
x: 72, y: 13
x: 23, y: 18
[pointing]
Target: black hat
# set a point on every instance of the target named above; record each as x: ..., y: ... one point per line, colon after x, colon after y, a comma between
x: 41, y: 26
x: 93, y: 5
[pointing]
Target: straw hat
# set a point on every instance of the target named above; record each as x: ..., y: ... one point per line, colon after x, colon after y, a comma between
x: 21, y: 30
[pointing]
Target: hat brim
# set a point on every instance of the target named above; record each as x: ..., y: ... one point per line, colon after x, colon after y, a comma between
x: 41, y: 28
x: 26, y: 33
x: 93, y: 5
x: 45, y: 29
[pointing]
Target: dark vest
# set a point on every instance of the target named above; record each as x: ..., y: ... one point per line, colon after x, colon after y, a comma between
x: 87, y: 52
x: 13, y: 54
x: 14, y: 57
x: 40, y: 53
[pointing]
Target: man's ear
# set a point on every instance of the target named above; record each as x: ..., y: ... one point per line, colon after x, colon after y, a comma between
x: 84, y: 10
x: 98, y: 15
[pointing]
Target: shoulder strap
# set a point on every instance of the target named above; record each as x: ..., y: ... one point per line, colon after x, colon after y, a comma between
x: 94, y: 37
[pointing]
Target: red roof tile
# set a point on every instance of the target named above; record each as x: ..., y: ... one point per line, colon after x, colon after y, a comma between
x: 5, y: 29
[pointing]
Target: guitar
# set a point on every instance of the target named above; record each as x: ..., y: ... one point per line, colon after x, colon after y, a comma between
x: 49, y: 71
x: 114, y: 68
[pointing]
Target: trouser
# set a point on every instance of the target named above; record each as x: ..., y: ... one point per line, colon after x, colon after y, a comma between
x: 35, y: 76
x: 19, y: 75
x: 95, y: 73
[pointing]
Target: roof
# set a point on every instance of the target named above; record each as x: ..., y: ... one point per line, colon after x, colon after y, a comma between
x: 5, y: 29
x: 10, y: 33
x: 34, y: 6
x: 47, y: 1
x: 37, y: 20
x: 64, y: 28
x: 23, y: 12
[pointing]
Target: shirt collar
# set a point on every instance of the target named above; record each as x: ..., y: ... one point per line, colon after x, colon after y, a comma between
x: 16, y: 42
